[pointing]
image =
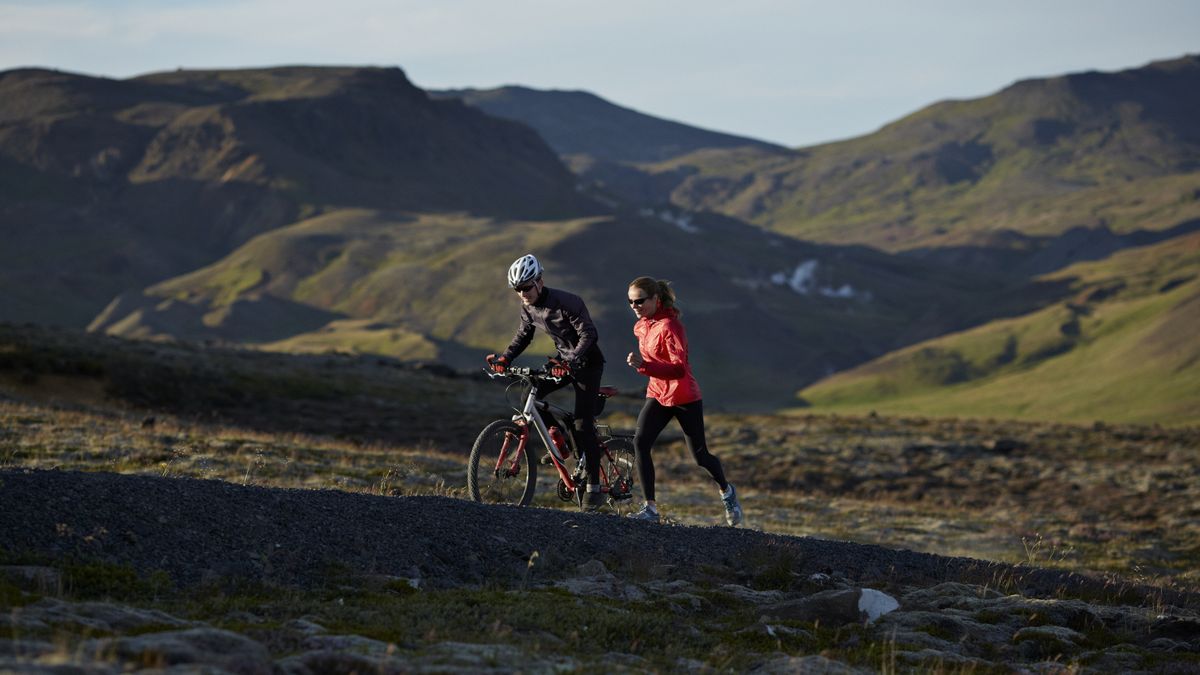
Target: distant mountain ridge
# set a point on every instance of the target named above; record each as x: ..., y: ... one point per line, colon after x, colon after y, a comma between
x: 1115, y: 150
x: 581, y: 123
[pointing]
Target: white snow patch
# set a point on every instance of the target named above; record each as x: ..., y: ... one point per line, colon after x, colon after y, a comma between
x: 681, y: 220
x: 875, y: 603
x: 804, y: 281
x: 846, y: 291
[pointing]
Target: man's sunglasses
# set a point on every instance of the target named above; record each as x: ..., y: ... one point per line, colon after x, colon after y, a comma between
x: 639, y: 301
x: 525, y: 288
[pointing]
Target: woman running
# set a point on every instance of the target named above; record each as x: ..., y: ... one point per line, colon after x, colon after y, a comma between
x: 673, y: 392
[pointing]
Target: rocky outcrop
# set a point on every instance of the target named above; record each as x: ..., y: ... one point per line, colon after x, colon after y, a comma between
x: 948, y: 625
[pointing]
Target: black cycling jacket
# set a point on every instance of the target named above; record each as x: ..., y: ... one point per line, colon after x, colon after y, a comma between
x: 565, y: 318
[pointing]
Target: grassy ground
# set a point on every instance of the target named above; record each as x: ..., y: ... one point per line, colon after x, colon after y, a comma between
x: 1122, y: 349
x: 1095, y: 499
x: 1091, y: 499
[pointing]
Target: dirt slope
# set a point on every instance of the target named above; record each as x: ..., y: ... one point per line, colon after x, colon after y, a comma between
x: 198, y: 530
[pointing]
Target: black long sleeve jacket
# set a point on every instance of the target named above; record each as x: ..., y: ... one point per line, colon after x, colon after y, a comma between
x: 564, y: 317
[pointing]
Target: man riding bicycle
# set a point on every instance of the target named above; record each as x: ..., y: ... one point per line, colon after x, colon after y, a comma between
x: 564, y: 317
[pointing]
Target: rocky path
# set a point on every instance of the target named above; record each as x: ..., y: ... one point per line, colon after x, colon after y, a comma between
x: 201, y: 530
x: 941, y: 610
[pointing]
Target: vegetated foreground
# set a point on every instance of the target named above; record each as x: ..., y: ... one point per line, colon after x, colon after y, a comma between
x: 389, y: 571
x: 247, y: 565
x: 331, y: 533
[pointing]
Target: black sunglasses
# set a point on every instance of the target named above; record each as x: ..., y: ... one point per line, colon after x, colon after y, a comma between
x: 639, y: 301
x: 524, y: 288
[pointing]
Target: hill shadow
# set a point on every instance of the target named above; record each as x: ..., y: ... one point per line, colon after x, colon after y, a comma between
x: 1028, y: 256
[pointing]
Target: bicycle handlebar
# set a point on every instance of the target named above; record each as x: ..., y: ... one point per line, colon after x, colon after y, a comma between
x: 524, y: 373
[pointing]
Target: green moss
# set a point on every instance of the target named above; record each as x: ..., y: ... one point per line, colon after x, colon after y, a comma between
x: 586, y: 625
x: 990, y: 616
x: 98, y: 580
x: 940, y: 631
x: 13, y: 596
x: 772, y: 569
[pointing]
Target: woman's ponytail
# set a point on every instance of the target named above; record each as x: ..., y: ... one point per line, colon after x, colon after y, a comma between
x: 659, y: 288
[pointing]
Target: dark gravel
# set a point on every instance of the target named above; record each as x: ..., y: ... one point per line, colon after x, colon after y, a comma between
x: 205, y: 531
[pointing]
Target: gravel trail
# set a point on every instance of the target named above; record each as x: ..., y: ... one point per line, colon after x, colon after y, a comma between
x: 201, y: 531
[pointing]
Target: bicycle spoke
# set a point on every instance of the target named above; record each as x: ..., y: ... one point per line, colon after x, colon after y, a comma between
x: 499, y: 470
x: 617, y: 474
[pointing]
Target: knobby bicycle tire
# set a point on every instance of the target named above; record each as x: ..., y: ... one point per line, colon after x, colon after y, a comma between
x: 517, y: 478
x: 621, y: 474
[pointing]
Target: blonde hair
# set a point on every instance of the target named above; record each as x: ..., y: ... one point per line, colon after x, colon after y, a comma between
x: 659, y: 288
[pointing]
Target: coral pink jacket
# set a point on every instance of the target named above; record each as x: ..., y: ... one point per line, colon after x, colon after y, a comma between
x: 664, y: 348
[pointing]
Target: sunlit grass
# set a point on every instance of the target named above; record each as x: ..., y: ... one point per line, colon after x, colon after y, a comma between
x: 44, y: 439
x: 1090, y: 499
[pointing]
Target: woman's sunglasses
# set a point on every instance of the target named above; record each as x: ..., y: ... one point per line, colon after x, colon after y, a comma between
x: 639, y: 301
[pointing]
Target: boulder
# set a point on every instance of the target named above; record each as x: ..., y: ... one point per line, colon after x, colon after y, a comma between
x: 809, y: 665
x: 750, y: 595
x: 595, y: 580
x: 950, y: 595
x: 104, y: 617
x: 354, y: 644
x: 331, y: 663
x: 839, y: 607
x: 28, y: 649
x: 1036, y: 642
x: 213, y: 647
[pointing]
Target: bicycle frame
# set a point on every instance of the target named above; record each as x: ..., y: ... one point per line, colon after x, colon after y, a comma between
x: 529, y: 416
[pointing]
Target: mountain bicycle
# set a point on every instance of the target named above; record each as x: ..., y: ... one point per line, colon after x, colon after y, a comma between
x: 503, y: 464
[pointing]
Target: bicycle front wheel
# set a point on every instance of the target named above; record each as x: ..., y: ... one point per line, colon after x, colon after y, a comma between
x: 499, y: 470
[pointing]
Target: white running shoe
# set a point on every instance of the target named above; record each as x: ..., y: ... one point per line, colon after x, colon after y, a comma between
x: 733, y: 509
x: 648, y: 514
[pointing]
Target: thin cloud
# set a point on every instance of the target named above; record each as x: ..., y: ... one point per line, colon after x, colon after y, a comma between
x: 793, y: 72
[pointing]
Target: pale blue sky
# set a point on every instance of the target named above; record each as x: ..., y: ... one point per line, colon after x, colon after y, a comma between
x: 796, y: 73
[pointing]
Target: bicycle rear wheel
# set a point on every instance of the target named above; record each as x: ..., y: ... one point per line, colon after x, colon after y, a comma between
x: 618, y: 470
x: 499, y: 470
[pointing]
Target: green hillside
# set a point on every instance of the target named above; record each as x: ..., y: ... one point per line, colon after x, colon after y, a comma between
x: 1100, y: 151
x: 1122, y: 349
x: 316, y: 209
x: 767, y: 315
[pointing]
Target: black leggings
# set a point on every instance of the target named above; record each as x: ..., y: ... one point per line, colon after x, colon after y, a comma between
x: 653, y: 419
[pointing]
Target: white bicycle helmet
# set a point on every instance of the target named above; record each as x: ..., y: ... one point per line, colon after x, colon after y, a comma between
x: 525, y: 269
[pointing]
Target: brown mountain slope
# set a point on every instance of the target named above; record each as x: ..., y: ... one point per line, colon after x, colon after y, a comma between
x: 765, y: 313
x: 109, y: 185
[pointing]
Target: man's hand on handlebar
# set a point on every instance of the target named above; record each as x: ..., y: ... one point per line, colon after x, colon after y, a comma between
x: 497, y: 364
x: 559, y: 368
